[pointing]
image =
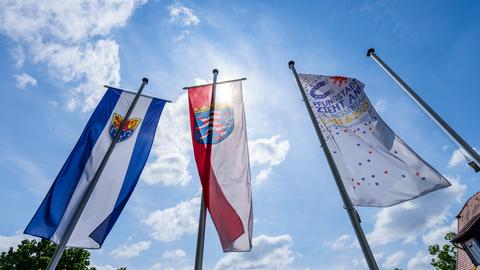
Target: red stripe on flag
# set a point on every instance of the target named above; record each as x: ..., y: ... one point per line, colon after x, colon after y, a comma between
x: 226, y: 220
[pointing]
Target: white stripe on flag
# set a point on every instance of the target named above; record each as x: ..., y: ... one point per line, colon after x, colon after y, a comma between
x: 231, y: 165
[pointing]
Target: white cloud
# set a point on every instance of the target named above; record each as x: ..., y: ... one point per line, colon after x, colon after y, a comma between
x: 160, y: 266
x: 92, y: 65
x: 24, y: 80
x: 12, y: 241
x: 421, y: 261
x: 268, y: 252
x: 393, y: 260
x: 173, y: 260
x: 59, y: 35
x: 182, y: 35
x: 267, y: 152
x: 170, y: 224
x: 437, y: 235
x: 171, y: 147
x: 157, y: 266
x: 66, y: 21
x: 407, y: 221
x: 18, y: 55
x: 263, y: 175
x: 456, y: 159
x: 380, y: 105
x: 182, y: 15
x: 104, y: 267
x: 357, y: 263
x: 343, y: 242
x: 129, y: 251
x: 174, y: 254
x: 200, y: 81
x: 378, y: 256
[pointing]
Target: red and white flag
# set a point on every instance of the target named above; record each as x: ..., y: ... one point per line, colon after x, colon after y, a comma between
x: 221, y: 153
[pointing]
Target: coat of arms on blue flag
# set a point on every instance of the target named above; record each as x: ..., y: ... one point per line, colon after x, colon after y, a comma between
x: 222, y: 125
x: 128, y: 130
x: 114, y: 186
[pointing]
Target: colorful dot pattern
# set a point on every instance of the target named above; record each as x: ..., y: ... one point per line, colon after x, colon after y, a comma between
x: 377, y: 167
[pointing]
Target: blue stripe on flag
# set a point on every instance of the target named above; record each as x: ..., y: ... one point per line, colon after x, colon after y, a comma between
x: 137, y: 163
x: 49, y: 215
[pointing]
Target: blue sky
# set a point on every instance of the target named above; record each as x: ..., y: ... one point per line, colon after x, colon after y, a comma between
x: 56, y: 57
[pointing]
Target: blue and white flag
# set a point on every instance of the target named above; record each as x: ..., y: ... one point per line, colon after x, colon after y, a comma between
x: 118, y: 179
x: 376, y: 166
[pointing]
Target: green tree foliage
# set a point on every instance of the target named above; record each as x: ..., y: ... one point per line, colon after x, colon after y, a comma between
x: 33, y: 255
x: 445, y: 256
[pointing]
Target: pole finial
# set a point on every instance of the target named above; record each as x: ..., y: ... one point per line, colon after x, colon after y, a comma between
x: 291, y: 63
x: 215, y: 71
x: 370, y: 51
x: 145, y: 80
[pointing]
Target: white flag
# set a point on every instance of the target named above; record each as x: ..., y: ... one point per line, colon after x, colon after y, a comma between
x: 376, y: 166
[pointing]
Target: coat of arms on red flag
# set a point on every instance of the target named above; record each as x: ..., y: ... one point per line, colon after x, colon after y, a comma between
x: 222, y: 126
x: 128, y: 130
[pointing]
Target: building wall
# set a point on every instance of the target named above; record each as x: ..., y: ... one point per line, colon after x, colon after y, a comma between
x: 470, y: 210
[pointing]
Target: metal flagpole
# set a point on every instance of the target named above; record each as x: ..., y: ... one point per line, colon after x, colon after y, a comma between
x: 200, y: 235
x: 352, y: 213
x: 430, y: 112
x: 83, y: 202
x: 203, y: 211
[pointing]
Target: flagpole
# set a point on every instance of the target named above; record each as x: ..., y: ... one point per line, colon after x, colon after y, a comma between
x: 430, y: 112
x: 83, y: 202
x: 200, y: 235
x: 352, y: 213
x: 203, y: 211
